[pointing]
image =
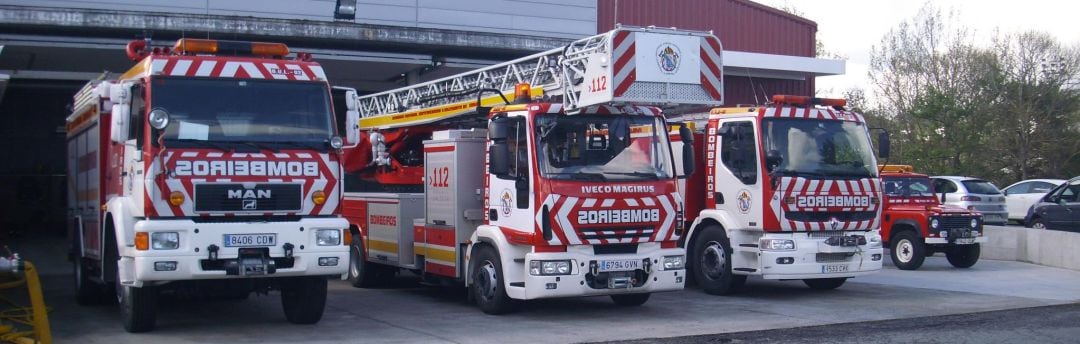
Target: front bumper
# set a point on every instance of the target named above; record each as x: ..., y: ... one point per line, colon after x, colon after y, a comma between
x: 193, y: 259
x: 582, y: 282
x: 813, y: 258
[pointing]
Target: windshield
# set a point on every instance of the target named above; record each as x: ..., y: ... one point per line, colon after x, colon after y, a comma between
x: 981, y: 187
x: 231, y: 110
x: 809, y: 148
x: 603, y: 147
x: 908, y: 187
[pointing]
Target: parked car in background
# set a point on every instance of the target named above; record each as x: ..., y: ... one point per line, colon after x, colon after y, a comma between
x: 1020, y: 196
x: 1059, y: 209
x: 973, y: 194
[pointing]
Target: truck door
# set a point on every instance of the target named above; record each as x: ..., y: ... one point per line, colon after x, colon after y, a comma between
x: 738, y: 177
x: 510, y: 195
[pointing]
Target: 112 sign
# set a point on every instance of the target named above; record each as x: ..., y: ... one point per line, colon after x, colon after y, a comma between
x: 440, y: 177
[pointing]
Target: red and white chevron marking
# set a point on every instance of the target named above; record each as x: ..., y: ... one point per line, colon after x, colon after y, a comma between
x: 813, y: 113
x: 796, y: 186
x: 712, y: 67
x: 624, y: 71
x: 215, y: 67
x: 564, y: 212
x: 158, y: 189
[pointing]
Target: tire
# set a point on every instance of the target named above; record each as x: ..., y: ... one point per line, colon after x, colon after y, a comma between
x: 630, y: 300
x: 487, y: 288
x: 825, y: 283
x: 362, y: 274
x: 711, y: 263
x: 907, y: 250
x: 1037, y: 223
x: 963, y: 256
x: 138, y: 308
x: 87, y: 292
x: 303, y: 299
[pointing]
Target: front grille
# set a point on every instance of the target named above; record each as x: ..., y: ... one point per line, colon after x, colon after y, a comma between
x: 833, y: 257
x: 950, y: 222
x: 616, y: 234
x: 825, y: 216
x: 245, y: 219
x: 234, y: 197
x: 615, y: 249
x: 824, y: 234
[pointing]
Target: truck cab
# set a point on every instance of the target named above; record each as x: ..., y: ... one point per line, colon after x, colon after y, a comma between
x: 915, y: 224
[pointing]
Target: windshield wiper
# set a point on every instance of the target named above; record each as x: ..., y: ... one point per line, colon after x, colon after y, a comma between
x: 635, y: 174
x: 582, y: 175
x: 297, y: 144
x: 204, y: 143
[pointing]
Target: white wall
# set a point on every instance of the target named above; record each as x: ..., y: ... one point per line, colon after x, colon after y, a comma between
x: 1043, y: 247
x: 548, y: 18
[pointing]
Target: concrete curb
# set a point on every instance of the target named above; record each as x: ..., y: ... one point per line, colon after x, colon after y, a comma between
x: 1043, y: 247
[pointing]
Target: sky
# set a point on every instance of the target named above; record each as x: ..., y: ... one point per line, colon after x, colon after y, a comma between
x: 851, y: 28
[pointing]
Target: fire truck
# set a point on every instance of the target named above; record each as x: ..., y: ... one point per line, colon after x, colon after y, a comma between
x: 210, y: 165
x: 915, y: 225
x: 790, y: 191
x: 546, y: 176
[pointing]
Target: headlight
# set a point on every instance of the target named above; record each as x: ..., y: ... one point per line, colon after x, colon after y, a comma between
x: 778, y: 244
x: 934, y: 223
x: 673, y: 262
x: 549, y: 267
x: 875, y: 240
x: 974, y: 223
x: 165, y: 240
x: 327, y: 237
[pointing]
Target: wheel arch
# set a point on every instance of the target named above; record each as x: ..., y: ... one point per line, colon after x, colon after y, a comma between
x: 904, y: 225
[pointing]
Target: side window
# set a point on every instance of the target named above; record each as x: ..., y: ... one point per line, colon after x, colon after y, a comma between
x: 1021, y: 188
x: 138, y: 112
x: 1041, y: 187
x: 519, y: 151
x: 738, y: 150
x: 1070, y: 194
x: 942, y: 185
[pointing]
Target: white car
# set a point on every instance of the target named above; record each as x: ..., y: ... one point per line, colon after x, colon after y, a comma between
x: 1020, y: 196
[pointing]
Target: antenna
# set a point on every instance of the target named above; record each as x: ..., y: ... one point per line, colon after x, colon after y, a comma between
x: 752, y: 90
x: 615, y: 16
x: 207, y: 19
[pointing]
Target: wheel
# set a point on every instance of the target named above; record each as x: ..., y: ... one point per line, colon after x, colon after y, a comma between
x: 487, y: 282
x: 138, y: 307
x: 825, y: 283
x: 908, y: 251
x: 630, y: 299
x: 1037, y: 223
x: 87, y: 292
x: 962, y: 256
x: 304, y: 299
x: 362, y: 274
x: 711, y: 263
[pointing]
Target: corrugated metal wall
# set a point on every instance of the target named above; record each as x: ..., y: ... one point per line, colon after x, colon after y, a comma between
x: 740, y: 24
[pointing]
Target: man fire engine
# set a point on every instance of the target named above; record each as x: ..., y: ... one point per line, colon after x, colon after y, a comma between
x: 570, y: 191
x: 790, y: 191
x: 915, y: 225
x: 210, y: 165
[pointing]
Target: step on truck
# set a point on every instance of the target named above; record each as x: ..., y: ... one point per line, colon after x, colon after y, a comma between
x: 210, y: 166
x: 789, y: 191
x: 546, y: 176
x: 915, y: 225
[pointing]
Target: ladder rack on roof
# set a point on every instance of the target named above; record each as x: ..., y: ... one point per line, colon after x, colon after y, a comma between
x: 669, y: 68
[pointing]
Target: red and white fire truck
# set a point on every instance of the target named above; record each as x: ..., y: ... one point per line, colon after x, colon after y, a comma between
x: 567, y: 191
x: 789, y: 191
x: 208, y: 165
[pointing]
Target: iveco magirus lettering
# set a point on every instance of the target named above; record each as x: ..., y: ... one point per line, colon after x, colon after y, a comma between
x: 569, y: 194
x: 222, y: 175
x: 789, y: 191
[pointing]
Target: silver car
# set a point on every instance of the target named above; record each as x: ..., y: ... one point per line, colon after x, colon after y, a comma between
x: 973, y: 194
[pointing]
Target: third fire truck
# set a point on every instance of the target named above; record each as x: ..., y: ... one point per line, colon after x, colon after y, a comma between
x: 789, y: 191
x: 546, y: 176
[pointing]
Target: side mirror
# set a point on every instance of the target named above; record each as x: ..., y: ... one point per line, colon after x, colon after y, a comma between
x: 120, y: 114
x: 883, y: 144
x: 499, y: 159
x: 723, y: 130
x: 1060, y: 201
x: 773, y: 159
x: 499, y: 128
x: 688, y: 158
x: 686, y: 135
x: 352, y: 117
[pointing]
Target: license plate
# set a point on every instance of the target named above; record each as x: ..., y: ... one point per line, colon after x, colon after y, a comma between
x: 247, y: 240
x: 620, y: 265
x: 965, y: 241
x: 833, y: 268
